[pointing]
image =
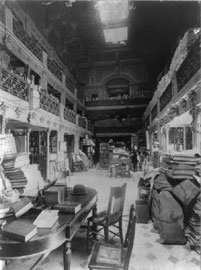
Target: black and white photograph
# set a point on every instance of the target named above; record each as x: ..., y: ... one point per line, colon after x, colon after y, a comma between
x: 100, y: 135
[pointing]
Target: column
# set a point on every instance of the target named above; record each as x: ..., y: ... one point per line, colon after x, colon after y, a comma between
x: 48, y: 155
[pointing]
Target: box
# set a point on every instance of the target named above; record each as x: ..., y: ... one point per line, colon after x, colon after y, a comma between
x: 55, y: 194
x: 142, y: 211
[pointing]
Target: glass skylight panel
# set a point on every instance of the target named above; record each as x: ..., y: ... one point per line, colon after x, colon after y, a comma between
x: 116, y: 35
x: 112, y: 11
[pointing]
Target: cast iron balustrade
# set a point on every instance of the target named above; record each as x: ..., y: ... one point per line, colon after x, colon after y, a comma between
x: 166, y: 97
x: 80, y: 95
x: 125, y: 122
x: 69, y: 115
x: 190, y: 66
x: 154, y: 112
x: 29, y: 41
x: 54, y: 68
x: 49, y: 103
x: 70, y: 85
x: 13, y: 84
x: 117, y: 102
x: 82, y: 122
x: 90, y: 126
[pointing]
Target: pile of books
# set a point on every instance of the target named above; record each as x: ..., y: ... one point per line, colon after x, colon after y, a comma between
x: 15, y: 175
x: 181, y: 166
x: 23, y: 176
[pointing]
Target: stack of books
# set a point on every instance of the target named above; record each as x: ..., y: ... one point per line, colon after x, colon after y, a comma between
x: 15, y: 175
x: 69, y: 207
x: 19, y: 230
x: 24, y: 177
x: 181, y: 166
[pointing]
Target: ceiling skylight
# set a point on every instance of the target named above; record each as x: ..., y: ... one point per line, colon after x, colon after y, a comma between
x: 111, y: 11
x: 116, y: 35
x: 114, y: 13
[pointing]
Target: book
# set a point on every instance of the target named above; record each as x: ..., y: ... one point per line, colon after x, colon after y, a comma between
x: 46, y: 219
x: 20, y: 230
x: 21, y: 206
x: 4, y: 210
x: 68, y: 207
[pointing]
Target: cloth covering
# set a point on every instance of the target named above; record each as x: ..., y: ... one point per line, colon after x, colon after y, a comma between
x: 171, y: 219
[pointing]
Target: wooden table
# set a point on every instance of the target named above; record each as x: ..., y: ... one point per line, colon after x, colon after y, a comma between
x: 47, y: 240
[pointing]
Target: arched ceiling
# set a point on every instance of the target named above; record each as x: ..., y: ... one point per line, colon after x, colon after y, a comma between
x: 76, y: 33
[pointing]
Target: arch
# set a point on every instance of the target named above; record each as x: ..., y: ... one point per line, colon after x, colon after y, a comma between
x: 121, y: 75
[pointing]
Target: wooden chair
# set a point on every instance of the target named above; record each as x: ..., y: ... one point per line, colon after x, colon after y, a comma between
x: 110, y: 221
x: 111, y: 257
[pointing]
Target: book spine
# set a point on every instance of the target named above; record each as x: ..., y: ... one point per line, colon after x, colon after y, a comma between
x: 64, y: 209
x: 15, y: 236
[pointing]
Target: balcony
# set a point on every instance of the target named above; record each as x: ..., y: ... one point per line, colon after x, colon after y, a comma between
x: 82, y: 122
x: 14, y: 84
x: 125, y: 125
x: 189, y: 67
x: 118, y: 102
x: 49, y: 103
x: 69, y: 115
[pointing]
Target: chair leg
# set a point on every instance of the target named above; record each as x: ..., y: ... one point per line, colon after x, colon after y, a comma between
x: 121, y: 232
x: 106, y: 232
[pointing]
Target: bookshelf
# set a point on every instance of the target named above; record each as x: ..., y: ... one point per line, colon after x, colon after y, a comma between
x: 104, y: 155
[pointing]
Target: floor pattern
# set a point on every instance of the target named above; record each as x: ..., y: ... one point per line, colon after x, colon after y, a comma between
x: 148, y: 253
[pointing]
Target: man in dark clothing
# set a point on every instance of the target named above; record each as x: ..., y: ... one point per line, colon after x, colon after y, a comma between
x: 134, y: 160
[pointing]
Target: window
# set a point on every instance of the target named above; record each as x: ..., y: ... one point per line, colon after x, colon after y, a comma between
x: 181, y: 138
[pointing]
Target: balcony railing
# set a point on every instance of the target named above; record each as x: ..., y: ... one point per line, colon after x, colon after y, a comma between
x: 69, y: 115
x: 189, y: 67
x: 82, y: 122
x: 70, y: 85
x: 117, y: 102
x: 54, y: 68
x: 14, y: 84
x: 125, y: 122
x: 166, y: 97
x: 49, y: 103
x: 90, y: 126
x: 29, y: 41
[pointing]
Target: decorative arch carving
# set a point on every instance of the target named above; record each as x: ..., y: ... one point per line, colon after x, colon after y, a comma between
x: 121, y: 75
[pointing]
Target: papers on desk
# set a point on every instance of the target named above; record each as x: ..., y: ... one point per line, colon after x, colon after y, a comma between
x: 46, y: 219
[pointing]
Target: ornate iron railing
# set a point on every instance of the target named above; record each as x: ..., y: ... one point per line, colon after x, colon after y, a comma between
x: 70, y: 85
x: 13, y: 84
x: 69, y: 115
x: 117, y: 122
x: 49, y: 103
x: 190, y: 66
x: 166, y: 97
x: 54, y: 68
x: 29, y: 41
x: 80, y: 95
x: 154, y: 112
x: 82, y: 122
x: 90, y: 126
x: 117, y: 102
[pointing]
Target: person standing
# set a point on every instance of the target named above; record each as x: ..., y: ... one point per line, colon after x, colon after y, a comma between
x: 134, y: 158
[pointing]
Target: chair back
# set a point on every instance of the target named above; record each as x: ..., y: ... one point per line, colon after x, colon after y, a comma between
x: 130, y: 235
x: 116, y: 202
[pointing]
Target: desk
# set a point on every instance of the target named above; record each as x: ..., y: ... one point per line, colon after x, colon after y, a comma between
x: 47, y: 240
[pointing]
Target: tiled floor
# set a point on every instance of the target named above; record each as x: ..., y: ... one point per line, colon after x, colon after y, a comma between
x: 148, y: 253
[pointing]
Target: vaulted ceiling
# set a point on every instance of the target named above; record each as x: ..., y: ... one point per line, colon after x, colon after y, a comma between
x: 76, y: 33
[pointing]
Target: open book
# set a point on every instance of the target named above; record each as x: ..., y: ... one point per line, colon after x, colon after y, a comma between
x: 46, y: 219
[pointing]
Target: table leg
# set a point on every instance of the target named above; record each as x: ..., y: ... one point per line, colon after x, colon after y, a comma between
x: 67, y: 255
x: 94, y: 226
